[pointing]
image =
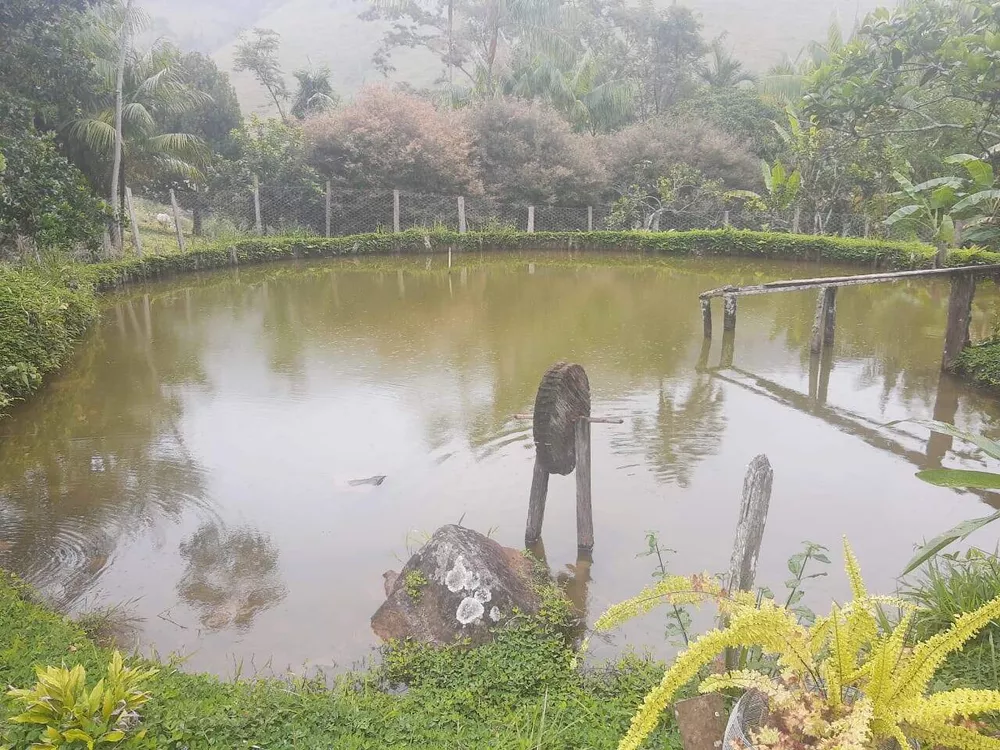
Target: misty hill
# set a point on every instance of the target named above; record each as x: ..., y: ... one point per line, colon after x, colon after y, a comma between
x: 329, y: 32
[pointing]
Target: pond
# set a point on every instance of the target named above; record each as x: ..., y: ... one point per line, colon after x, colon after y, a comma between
x: 199, y: 456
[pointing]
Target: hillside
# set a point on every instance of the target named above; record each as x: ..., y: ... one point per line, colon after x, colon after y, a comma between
x: 329, y: 32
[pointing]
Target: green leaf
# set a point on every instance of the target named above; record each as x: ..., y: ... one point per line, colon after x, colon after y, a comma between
x: 114, y: 736
x: 77, y: 735
x: 943, y: 197
x: 938, y: 543
x: 976, y: 198
x: 990, y: 447
x: 974, y: 480
x: 954, y: 182
x: 901, y: 213
x: 820, y: 557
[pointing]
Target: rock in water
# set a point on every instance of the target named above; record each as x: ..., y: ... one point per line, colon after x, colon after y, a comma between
x: 459, y: 585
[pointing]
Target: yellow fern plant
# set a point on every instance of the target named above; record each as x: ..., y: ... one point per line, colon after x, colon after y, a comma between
x: 844, y: 683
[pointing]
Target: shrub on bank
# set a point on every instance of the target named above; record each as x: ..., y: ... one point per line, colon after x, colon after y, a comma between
x: 981, y: 364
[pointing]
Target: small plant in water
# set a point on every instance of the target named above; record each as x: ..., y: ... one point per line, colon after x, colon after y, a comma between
x: 61, y: 712
x: 414, y: 582
x: 847, y: 682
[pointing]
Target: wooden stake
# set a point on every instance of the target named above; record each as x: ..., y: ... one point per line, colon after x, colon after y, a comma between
x: 825, y: 320
x: 395, y: 211
x: 706, y: 316
x: 584, y: 509
x: 461, y: 216
x: 531, y: 218
x: 130, y: 207
x: 449, y: 258
x: 590, y: 218
x: 258, y: 223
x: 536, y: 503
x: 177, y: 220
x: 729, y: 312
x: 956, y: 334
x: 750, y: 528
x: 329, y: 209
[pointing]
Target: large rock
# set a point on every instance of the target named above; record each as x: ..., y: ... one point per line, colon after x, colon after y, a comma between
x: 459, y: 585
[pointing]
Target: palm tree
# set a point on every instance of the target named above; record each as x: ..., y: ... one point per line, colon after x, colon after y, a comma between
x: 120, y: 129
x: 784, y: 84
x: 724, y: 70
x: 314, y: 93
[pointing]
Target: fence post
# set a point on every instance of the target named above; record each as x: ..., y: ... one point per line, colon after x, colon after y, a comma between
x: 258, y: 223
x: 461, y: 215
x: 867, y: 226
x: 584, y: 507
x: 177, y: 220
x: 725, y: 219
x: 130, y: 207
x: 729, y: 312
x: 706, y: 316
x: 590, y: 218
x: 750, y: 529
x: 329, y: 209
x: 531, y: 218
x: 956, y: 334
x: 825, y: 320
x: 395, y: 211
x: 796, y: 217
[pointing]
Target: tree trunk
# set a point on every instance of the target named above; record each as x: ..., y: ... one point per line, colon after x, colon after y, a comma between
x: 116, y: 230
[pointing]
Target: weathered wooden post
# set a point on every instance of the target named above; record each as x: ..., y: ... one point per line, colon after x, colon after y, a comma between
x: 395, y: 211
x: 177, y: 220
x: 130, y: 207
x: 728, y: 353
x: 329, y: 209
x: 461, y: 215
x: 531, y: 218
x: 584, y: 508
x: 258, y: 223
x: 706, y: 316
x: 956, y: 334
x: 590, y: 218
x: 825, y: 320
x: 750, y: 528
x: 729, y: 312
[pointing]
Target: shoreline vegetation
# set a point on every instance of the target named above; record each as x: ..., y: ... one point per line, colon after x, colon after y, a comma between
x: 51, y: 306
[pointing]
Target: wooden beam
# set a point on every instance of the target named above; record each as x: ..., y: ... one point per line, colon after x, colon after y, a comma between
x: 870, y: 278
x: 706, y: 317
x: 729, y: 312
x: 584, y: 507
x: 956, y: 334
x: 536, y: 503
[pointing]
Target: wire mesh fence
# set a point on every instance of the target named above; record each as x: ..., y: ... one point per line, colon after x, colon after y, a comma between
x: 324, y: 211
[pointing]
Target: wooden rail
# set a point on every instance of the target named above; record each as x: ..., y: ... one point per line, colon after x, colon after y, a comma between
x: 956, y: 337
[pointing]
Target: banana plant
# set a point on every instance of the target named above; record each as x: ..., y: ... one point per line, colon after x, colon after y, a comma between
x: 961, y: 479
x: 782, y: 189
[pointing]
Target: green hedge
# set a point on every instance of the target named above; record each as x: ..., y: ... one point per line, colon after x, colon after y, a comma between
x: 42, y: 314
x: 981, y: 364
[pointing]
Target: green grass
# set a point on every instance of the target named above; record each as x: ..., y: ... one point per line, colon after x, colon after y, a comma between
x: 518, y: 692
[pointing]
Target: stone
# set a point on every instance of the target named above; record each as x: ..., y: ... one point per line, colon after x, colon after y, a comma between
x: 461, y: 586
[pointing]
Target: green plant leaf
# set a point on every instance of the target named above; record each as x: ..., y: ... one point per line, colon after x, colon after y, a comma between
x: 901, y: 213
x: 990, y: 447
x: 77, y: 735
x: 958, y: 478
x: 116, y: 735
x: 976, y: 198
x: 938, y: 543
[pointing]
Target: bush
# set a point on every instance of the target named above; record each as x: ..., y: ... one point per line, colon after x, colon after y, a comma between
x: 42, y: 316
x: 981, y: 364
x: 643, y: 153
x: 527, y: 153
x: 389, y: 139
x: 740, y: 113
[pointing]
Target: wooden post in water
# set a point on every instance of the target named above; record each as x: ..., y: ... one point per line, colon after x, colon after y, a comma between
x: 531, y: 218
x: 706, y: 316
x: 177, y: 220
x: 536, y: 503
x: 258, y: 223
x: 956, y: 334
x: 584, y: 508
x: 329, y: 209
x: 130, y: 207
x: 461, y: 218
x: 590, y: 218
x: 825, y: 320
x: 729, y: 312
x: 395, y: 211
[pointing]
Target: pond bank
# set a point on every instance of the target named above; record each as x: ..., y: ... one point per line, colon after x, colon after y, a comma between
x: 519, y: 692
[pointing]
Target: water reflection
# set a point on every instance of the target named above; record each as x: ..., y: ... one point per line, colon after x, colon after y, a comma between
x: 230, y: 576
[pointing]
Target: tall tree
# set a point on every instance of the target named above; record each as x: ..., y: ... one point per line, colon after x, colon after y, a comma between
x: 723, y: 69
x: 258, y: 53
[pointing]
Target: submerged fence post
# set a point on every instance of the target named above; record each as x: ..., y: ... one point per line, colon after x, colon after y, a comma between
x: 329, y: 209
x: 177, y: 220
x: 130, y: 207
x: 729, y: 312
x: 825, y: 320
x: 584, y: 507
x: 395, y: 211
x: 461, y: 222
x: 706, y: 316
x: 536, y: 503
x: 590, y: 218
x: 531, y: 218
x: 956, y: 334
x: 258, y: 223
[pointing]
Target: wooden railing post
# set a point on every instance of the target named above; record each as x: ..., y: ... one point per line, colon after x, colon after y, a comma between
x: 531, y: 218
x: 584, y: 507
x: 729, y: 312
x: 956, y: 334
x: 825, y: 320
x: 177, y: 220
x: 395, y: 211
x: 461, y: 215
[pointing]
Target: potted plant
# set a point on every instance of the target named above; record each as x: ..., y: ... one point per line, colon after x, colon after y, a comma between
x: 851, y: 681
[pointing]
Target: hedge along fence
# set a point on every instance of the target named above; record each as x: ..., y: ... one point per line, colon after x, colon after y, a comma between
x: 44, y: 312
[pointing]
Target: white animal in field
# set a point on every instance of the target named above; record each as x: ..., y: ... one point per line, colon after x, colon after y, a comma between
x: 164, y: 221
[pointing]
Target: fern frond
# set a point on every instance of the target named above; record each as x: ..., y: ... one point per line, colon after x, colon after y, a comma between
x: 927, y: 656
x: 670, y: 590
x: 952, y: 704
x: 886, y: 658
x: 949, y: 735
x: 748, y: 679
x: 854, y: 573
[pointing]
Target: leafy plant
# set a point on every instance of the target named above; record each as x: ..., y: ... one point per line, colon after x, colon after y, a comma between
x: 957, y: 478
x: 797, y: 566
x: 415, y: 581
x: 781, y: 186
x: 845, y: 682
x: 67, y: 714
x: 679, y: 620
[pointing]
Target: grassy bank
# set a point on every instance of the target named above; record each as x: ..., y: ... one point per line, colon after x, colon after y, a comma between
x: 49, y: 309
x: 980, y: 364
x: 518, y: 692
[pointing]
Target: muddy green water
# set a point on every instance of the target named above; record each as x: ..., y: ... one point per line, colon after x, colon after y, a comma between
x: 196, y: 457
